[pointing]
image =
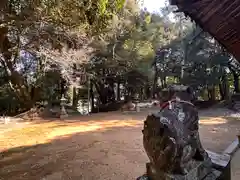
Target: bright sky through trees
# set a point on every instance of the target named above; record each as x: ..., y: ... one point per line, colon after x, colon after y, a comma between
x: 153, y: 5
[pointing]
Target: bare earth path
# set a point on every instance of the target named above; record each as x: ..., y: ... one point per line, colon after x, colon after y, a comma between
x: 99, y: 147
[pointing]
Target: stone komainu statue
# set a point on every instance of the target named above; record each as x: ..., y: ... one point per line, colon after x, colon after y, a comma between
x: 171, y: 137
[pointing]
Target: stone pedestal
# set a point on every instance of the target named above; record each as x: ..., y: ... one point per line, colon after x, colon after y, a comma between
x: 213, y: 175
x: 63, y: 113
x: 196, y: 171
x: 216, y: 168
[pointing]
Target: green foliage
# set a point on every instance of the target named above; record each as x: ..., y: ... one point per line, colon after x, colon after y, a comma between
x: 112, y: 40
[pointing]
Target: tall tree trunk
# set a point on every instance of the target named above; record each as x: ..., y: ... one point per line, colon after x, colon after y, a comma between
x: 111, y: 93
x: 225, y: 87
x: 154, y: 82
x: 221, y: 91
x: 118, y: 91
x: 236, y: 82
x: 148, y: 92
x: 101, y: 90
x: 74, y: 98
x: 92, y: 95
x: 165, y: 82
x: 212, y: 94
x: 141, y: 94
x: 162, y: 83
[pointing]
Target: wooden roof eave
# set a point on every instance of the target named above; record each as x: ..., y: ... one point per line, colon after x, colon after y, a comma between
x: 186, y: 6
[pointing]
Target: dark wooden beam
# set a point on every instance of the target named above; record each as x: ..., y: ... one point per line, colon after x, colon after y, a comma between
x: 219, y: 18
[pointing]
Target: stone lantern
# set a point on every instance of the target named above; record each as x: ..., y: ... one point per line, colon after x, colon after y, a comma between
x: 63, y: 112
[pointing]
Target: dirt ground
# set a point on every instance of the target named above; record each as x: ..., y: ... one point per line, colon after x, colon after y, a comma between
x: 105, y: 146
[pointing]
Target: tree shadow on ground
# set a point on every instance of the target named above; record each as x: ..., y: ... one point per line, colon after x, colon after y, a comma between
x: 25, y: 162
x: 72, y: 156
x: 98, y: 149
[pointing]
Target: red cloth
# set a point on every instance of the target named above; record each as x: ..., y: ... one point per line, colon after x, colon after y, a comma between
x: 166, y: 104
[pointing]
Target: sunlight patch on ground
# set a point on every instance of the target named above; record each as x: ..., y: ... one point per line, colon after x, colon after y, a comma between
x: 40, y: 133
x: 91, y: 126
x: 212, y: 121
x: 235, y: 115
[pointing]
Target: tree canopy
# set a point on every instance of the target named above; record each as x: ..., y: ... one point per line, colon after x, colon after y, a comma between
x: 125, y: 52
